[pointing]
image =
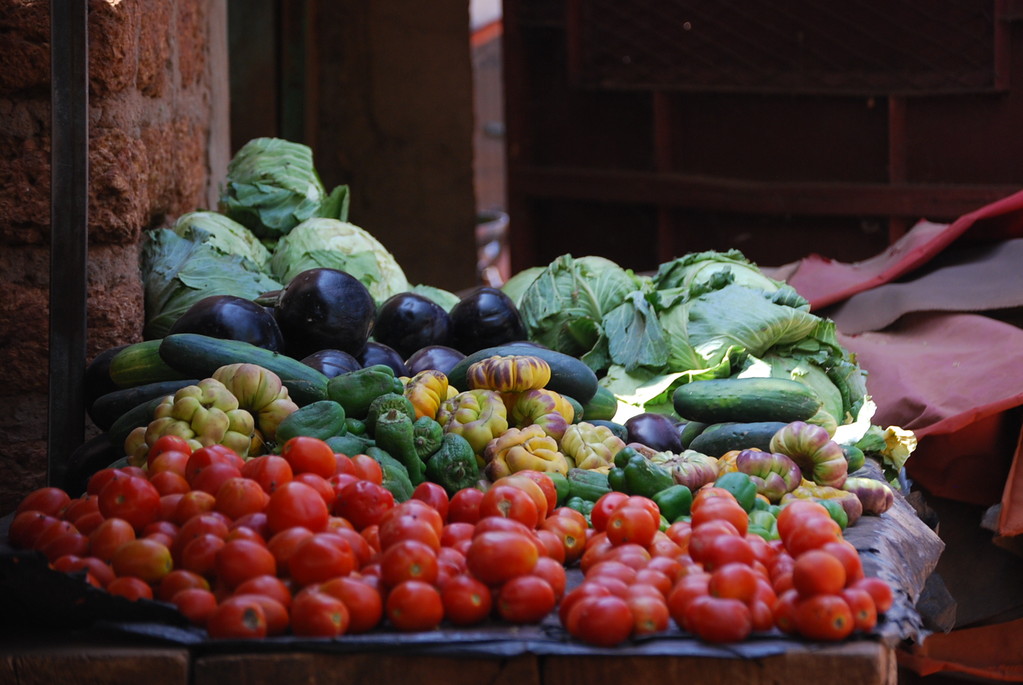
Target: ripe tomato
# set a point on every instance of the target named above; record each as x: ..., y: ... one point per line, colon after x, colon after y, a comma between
x: 283, y: 544
x: 49, y: 500
x: 167, y: 443
x: 271, y: 586
x: 455, y: 532
x: 603, y: 621
x: 583, y: 589
x: 721, y: 508
x: 612, y: 568
x: 319, y: 557
x: 192, y: 503
x: 546, y: 484
x: 533, y: 489
x: 631, y: 523
x: 554, y: 573
x: 551, y: 543
x: 27, y: 526
x: 817, y: 572
x: 359, y: 545
x: 130, y: 587
x: 363, y: 503
x: 718, y: 619
x: 434, y: 495
x: 309, y: 455
x: 411, y: 515
x: 318, y: 614
x: 239, y: 560
x: 733, y: 581
x: 466, y: 600
x: 861, y: 604
x: 824, y: 617
x: 525, y: 599
x: 720, y: 549
x: 108, y: 536
x: 571, y: 532
x: 173, y: 461
x: 368, y: 468
x: 879, y: 589
x: 211, y: 454
x: 798, y: 509
x: 708, y: 492
x: 414, y: 605
x: 603, y: 507
x: 465, y: 505
x: 845, y: 552
x: 240, y: 617
x: 364, y: 602
x: 211, y: 523
x: 269, y: 470
x: 497, y: 556
x: 649, y: 613
x: 196, y: 604
x: 131, y: 498
x: 810, y: 532
x: 513, y: 502
x: 321, y: 485
x: 199, y: 555
x: 296, y: 504
x: 169, y: 483
x: 408, y: 559
x: 177, y: 580
x: 80, y: 506
x: 210, y: 478
x: 71, y: 542
x: 239, y: 496
x: 685, y: 590
x: 671, y: 567
x: 143, y: 558
x: 784, y: 611
x: 97, y: 568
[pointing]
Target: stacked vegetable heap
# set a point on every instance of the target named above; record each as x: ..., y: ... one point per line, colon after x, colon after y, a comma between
x: 307, y: 444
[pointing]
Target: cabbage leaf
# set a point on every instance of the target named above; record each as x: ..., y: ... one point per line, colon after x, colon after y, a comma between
x: 223, y: 233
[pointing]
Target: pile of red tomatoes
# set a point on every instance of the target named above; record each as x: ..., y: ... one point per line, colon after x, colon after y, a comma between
x: 310, y: 543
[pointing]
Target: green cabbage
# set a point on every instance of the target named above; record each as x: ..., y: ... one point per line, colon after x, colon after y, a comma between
x: 445, y: 298
x: 335, y: 244
x: 223, y: 233
x: 272, y: 186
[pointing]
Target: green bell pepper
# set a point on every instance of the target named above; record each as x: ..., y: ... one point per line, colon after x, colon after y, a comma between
x: 645, y: 478
x: 741, y: 486
x: 453, y: 466
x: 674, y: 501
x: 356, y: 390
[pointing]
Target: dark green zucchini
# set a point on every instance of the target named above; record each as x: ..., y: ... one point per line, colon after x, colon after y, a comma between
x: 603, y: 405
x: 140, y: 364
x: 139, y: 415
x: 569, y: 375
x: 109, y: 407
x: 746, y: 399
x: 720, y: 438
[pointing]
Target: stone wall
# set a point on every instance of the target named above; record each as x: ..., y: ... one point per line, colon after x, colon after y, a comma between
x: 157, y: 145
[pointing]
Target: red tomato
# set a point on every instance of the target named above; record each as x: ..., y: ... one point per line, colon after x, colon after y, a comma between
x: 546, y: 483
x: 434, y: 495
x: 721, y: 508
x: 414, y: 605
x: 277, y: 618
x: 810, y: 533
x: 143, y: 558
x: 211, y: 523
x: 318, y: 614
x: 177, y: 580
x: 192, y: 503
x: 108, y: 536
x: 497, y: 556
x: 733, y: 581
x: 680, y: 533
x: 718, y: 619
x: 415, y: 509
x: 309, y: 455
x: 699, y: 539
x: 824, y: 617
x: 240, y: 617
x: 49, y: 500
x: 408, y: 559
x: 845, y: 552
x: 709, y: 492
x: 321, y: 485
x: 583, y: 589
x: 603, y: 507
x: 553, y: 572
x: 614, y: 569
x: 210, y: 478
x: 571, y: 532
x: 359, y: 545
x: 71, y: 542
x: 456, y: 531
x: 817, y: 572
x: 364, y: 602
x: 283, y: 544
x: 131, y: 498
x: 368, y: 468
x: 268, y: 585
x: 363, y: 503
x: 320, y: 557
x: 196, y: 604
x: 602, y: 621
x: 80, y: 506
x: 466, y: 600
x: 465, y: 505
x: 239, y: 560
x: 296, y: 504
x: 512, y: 501
x: 631, y: 523
x: 649, y: 614
x: 344, y: 465
x: 173, y: 461
x: 166, y: 443
x: 532, y: 488
x: 685, y: 590
x: 169, y: 483
x: 879, y: 589
x: 552, y: 545
x: 799, y: 509
x: 784, y: 611
x: 130, y: 587
x: 861, y: 604
x: 211, y: 454
x: 239, y: 496
x: 525, y: 599
x: 724, y: 549
x: 99, y: 569
x: 199, y: 555
x: 27, y: 526
x: 269, y: 470
x: 672, y: 567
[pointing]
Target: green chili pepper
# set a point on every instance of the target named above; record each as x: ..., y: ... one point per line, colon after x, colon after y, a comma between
x: 395, y: 434
x: 453, y: 466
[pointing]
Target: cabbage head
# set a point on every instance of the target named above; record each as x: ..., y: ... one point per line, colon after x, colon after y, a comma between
x: 335, y: 244
x: 223, y: 233
x: 272, y: 186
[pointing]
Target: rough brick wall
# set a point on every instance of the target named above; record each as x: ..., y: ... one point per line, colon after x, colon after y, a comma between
x: 158, y: 140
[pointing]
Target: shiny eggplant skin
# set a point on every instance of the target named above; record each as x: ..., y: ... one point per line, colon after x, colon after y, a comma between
x: 322, y: 309
x: 656, y: 431
x: 439, y: 357
x: 379, y: 353
x: 332, y: 362
x: 409, y: 321
x: 485, y: 317
x: 231, y: 317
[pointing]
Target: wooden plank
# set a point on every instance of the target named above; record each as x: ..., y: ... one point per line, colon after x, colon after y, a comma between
x: 44, y: 665
x: 934, y: 201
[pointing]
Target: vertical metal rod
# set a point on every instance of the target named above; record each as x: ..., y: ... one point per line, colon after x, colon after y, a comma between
x: 69, y: 198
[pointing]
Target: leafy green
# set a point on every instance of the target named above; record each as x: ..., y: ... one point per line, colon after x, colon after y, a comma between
x: 223, y: 233
x: 272, y: 186
x: 335, y: 244
x: 178, y: 272
x: 445, y: 298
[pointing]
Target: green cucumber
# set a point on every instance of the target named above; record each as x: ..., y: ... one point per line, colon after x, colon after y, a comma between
x: 109, y: 407
x: 140, y: 364
x: 618, y: 429
x: 720, y: 438
x: 569, y: 375
x: 201, y: 355
x: 719, y: 400
x: 588, y: 484
x: 603, y: 405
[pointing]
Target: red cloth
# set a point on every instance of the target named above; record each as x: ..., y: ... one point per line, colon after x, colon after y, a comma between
x: 935, y: 364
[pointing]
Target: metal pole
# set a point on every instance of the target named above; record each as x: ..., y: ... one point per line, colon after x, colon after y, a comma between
x: 69, y: 199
